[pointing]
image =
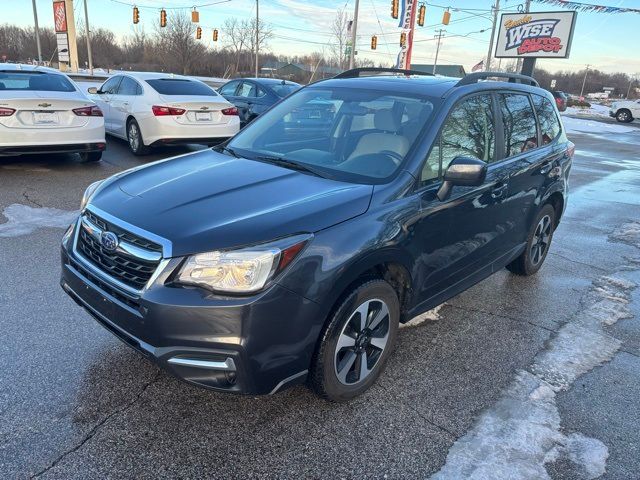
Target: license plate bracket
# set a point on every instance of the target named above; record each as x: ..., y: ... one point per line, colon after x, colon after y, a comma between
x: 45, y: 118
x: 203, y: 116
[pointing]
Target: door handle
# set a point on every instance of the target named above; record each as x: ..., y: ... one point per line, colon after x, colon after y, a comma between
x: 499, y: 190
x: 546, y: 168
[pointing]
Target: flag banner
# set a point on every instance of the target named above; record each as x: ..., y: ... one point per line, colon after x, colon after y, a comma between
x: 478, y: 66
x: 588, y: 7
x: 407, y: 19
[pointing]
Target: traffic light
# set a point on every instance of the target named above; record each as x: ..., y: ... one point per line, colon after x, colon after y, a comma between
x: 422, y: 11
x: 136, y: 15
x: 195, y: 16
x: 394, y: 8
x: 446, y: 17
x: 374, y: 42
x: 163, y: 18
x: 215, y: 35
x: 198, y: 33
x: 403, y: 39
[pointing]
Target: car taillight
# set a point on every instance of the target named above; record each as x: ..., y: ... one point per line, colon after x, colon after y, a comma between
x: 6, y: 112
x: 159, y: 111
x: 230, y: 111
x: 88, y: 112
x: 571, y: 149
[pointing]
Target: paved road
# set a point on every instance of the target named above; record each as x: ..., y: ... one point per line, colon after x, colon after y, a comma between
x: 515, y: 378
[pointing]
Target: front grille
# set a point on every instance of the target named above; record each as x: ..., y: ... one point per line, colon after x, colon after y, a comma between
x: 126, y: 268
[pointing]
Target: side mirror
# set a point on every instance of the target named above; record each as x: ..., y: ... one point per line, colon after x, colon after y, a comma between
x: 464, y: 172
x: 92, y: 90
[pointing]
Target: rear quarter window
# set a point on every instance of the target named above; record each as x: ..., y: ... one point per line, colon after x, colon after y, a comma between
x: 179, y: 86
x: 520, y: 132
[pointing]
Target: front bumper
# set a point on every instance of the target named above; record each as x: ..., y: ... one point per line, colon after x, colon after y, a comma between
x: 252, y: 345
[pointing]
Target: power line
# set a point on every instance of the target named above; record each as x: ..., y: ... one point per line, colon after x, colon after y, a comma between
x: 185, y: 7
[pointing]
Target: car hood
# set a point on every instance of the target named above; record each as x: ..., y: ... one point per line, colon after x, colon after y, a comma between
x: 206, y: 201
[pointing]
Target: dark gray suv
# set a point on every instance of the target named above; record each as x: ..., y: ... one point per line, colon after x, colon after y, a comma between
x: 290, y: 255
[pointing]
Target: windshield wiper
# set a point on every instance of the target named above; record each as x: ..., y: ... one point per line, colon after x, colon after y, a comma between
x: 230, y: 151
x: 283, y: 162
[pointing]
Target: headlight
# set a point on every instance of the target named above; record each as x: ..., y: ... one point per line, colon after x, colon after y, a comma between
x: 241, y: 271
x: 91, y: 189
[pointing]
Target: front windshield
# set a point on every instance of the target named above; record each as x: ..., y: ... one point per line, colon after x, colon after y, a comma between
x: 353, y: 135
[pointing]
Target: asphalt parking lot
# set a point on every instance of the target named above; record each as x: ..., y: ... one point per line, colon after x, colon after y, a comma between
x: 516, y: 378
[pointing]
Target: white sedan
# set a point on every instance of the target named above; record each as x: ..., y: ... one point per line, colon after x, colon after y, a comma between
x: 151, y: 109
x: 43, y: 111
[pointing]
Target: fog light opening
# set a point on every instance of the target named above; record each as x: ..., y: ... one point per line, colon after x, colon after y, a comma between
x: 231, y: 377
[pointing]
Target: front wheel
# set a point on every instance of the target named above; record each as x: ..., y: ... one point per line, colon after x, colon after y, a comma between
x: 357, y: 342
x: 624, y: 116
x: 538, y: 243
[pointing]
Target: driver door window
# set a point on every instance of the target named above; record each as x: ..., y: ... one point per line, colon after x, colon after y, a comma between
x: 111, y: 86
x: 229, y: 89
x: 468, y: 132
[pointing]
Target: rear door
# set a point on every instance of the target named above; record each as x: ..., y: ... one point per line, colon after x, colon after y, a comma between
x: 245, y: 98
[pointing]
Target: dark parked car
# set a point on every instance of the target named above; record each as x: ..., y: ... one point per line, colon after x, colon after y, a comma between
x: 253, y: 96
x: 281, y: 257
x: 561, y: 99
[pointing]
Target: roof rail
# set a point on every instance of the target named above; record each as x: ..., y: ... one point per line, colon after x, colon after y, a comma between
x: 355, y: 72
x: 474, y: 77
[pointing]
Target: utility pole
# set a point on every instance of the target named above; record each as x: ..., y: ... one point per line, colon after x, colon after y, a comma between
x: 257, y: 35
x: 354, y: 28
x: 633, y: 79
x: 87, y: 34
x: 496, y: 8
x: 584, y: 80
x: 35, y: 21
x: 527, y: 6
x: 441, y: 33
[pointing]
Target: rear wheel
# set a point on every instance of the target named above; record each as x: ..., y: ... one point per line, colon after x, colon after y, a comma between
x: 134, y: 137
x: 538, y: 243
x: 88, y: 157
x: 624, y: 115
x: 357, y: 342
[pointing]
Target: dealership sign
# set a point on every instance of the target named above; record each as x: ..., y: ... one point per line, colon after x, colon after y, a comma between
x: 407, y: 21
x: 543, y: 34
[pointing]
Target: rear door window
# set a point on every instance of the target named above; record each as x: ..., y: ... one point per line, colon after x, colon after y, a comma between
x: 128, y: 87
x: 547, y: 118
x: 247, y: 90
x: 181, y: 86
x: 520, y: 131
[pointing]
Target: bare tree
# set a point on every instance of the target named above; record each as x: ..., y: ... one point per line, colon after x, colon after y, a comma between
x: 237, y: 37
x: 178, y: 44
x: 340, y: 32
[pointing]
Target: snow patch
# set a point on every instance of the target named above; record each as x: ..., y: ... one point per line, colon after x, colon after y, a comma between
x: 580, y: 125
x: 431, y: 316
x: 520, y: 434
x: 22, y: 219
x: 627, y: 233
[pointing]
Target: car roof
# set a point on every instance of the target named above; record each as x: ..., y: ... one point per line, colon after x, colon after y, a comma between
x: 433, y: 86
x: 25, y: 67
x: 414, y: 84
x: 154, y: 75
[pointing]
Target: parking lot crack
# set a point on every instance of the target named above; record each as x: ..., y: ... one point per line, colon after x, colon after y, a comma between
x: 499, y: 315
x: 94, y: 430
x: 26, y: 196
x: 577, y: 262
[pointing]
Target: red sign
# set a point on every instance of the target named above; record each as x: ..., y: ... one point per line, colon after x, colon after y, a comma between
x: 60, y: 16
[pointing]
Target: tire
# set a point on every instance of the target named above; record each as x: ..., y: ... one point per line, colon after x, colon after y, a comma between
x: 89, y: 157
x: 336, y: 373
x: 538, y: 243
x: 623, y: 115
x: 134, y: 138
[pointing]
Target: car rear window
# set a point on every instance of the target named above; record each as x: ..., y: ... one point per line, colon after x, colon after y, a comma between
x: 179, y: 86
x: 35, y: 81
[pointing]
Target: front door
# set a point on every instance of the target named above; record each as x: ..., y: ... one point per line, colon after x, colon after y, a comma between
x: 104, y: 97
x: 471, y: 218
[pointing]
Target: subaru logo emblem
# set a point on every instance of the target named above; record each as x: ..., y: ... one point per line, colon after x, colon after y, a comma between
x: 109, y: 241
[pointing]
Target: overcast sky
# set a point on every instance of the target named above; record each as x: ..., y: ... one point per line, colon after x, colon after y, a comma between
x: 606, y: 41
